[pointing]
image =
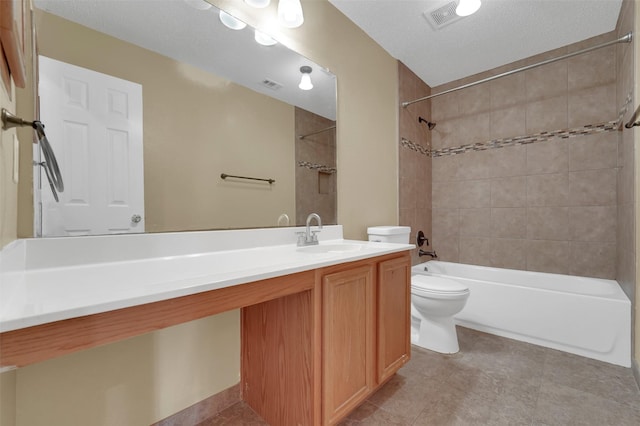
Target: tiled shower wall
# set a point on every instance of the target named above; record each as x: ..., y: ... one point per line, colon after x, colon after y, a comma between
x: 625, y: 270
x: 315, y: 168
x: 544, y: 202
x: 414, y: 160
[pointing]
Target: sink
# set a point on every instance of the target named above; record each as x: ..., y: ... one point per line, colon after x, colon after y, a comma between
x: 331, y: 248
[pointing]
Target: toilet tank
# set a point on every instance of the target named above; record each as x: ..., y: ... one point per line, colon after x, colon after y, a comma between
x: 389, y: 234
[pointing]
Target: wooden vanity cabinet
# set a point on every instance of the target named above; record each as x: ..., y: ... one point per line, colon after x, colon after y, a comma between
x: 311, y: 358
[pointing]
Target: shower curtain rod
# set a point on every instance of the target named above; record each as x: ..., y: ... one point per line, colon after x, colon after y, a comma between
x: 315, y: 133
x: 624, y: 39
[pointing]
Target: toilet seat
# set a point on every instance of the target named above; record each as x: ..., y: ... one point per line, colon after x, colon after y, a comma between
x: 430, y: 286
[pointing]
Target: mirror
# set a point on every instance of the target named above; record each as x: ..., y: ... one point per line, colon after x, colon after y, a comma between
x: 214, y: 102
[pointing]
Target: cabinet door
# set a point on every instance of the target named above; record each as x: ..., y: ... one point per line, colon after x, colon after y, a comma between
x: 348, y: 346
x: 394, y: 316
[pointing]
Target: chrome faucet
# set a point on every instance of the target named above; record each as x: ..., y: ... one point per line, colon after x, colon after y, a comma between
x: 309, y: 237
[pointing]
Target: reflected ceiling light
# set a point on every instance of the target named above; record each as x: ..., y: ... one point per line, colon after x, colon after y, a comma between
x: 305, y: 81
x: 264, y: 39
x: 467, y: 7
x: 198, y: 4
x: 231, y: 22
x: 258, y: 3
x: 290, y: 13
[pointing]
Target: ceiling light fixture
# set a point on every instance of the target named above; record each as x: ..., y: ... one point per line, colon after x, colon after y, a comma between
x: 305, y: 81
x: 290, y: 13
x: 467, y: 7
x: 259, y: 4
x: 231, y: 22
x: 263, y: 39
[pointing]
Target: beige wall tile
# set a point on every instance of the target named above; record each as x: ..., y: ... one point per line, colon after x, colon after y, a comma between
x: 473, y: 128
x: 548, y: 256
x: 474, y: 165
x: 596, y: 68
x: 625, y: 228
x: 407, y: 197
x: 445, y: 107
x: 595, y: 105
x: 475, y: 222
x: 474, y: 194
x: 445, y: 168
x: 593, y: 223
x: 447, y: 249
x: 509, y: 222
x: 508, y: 253
x: 508, y: 91
x: 548, y: 223
x: 548, y: 157
x: 547, y: 114
x: 445, y: 195
x: 593, y: 187
x: 508, y: 122
x: 509, y: 161
x: 548, y: 190
x: 474, y: 100
x: 475, y: 251
x: 599, y: 151
x: 446, y: 134
x: 445, y: 223
x: 593, y: 260
x: 509, y: 192
x: 546, y: 82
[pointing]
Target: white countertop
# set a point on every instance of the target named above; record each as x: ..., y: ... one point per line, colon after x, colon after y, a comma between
x: 35, y: 295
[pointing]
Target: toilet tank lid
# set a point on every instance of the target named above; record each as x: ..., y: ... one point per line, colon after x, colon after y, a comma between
x: 388, y: 230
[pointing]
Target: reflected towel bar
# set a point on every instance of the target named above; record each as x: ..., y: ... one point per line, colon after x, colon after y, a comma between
x: 224, y: 176
x: 633, y: 122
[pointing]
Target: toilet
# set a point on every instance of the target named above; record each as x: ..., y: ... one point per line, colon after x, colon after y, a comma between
x: 434, y: 302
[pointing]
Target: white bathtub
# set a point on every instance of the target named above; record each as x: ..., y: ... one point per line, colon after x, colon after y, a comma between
x: 585, y: 316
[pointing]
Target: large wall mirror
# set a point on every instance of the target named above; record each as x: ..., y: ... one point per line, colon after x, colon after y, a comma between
x: 213, y: 101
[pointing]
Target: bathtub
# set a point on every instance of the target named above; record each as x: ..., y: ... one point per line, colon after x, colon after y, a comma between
x: 590, y: 317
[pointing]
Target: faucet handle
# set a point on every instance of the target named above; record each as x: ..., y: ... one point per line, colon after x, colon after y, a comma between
x: 301, y: 237
x: 314, y: 236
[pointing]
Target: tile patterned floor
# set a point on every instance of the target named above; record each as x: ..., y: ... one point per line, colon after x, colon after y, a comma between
x: 491, y: 381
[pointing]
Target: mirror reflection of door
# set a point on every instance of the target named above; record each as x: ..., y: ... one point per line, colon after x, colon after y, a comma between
x: 94, y: 124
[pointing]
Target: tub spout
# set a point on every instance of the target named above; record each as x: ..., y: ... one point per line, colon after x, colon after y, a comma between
x: 432, y: 253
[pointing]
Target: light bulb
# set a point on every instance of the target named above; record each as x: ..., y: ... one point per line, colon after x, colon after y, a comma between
x: 290, y: 13
x: 263, y: 39
x: 467, y: 7
x: 259, y: 4
x: 231, y: 22
x: 305, y: 80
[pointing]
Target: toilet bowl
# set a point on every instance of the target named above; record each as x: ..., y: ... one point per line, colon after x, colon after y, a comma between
x: 434, y: 302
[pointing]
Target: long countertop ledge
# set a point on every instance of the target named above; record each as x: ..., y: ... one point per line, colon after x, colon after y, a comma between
x: 32, y: 295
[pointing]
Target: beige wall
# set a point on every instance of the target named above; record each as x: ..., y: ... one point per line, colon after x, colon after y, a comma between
x: 547, y: 204
x: 169, y: 370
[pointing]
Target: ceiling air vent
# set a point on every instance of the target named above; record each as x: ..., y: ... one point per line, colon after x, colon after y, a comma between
x: 270, y: 84
x: 442, y: 15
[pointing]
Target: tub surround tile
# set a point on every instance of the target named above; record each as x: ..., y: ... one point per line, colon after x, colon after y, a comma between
x: 509, y: 253
x: 592, y: 105
x: 509, y: 192
x: 475, y: 251
x: 508, y: 91
x: 474, y: 194
x: 445, y: 107
x: 592, y: 223
x: 475, y: 222
x: 474, y: 100
x: 593, y: 151
x: 445, y: 223
x: 548, y: 256
x: 593, y: 187
x: 547, y: 157
x: 548, y: 190
x: 508, y: 222
x: 593, y: 259
x: 445, y: 194
x: 508, y: 122
x: 447, y: 248
x: 446, y: 168
x: 474, y: 165
x: 549, y: 114
x: 546, y: 82
x: 508, y: 161
x: 548, y: 223
x: 592, y: 69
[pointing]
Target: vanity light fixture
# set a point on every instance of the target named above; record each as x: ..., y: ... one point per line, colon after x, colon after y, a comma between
x: 231, y: 22
x: 467, y: 7
x: 290, y: 13
x: 305, y: 81
x: 258, y: 4
x: 263, y: 39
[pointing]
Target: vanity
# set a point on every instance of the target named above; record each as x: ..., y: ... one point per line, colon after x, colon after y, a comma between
x: 322, y: 327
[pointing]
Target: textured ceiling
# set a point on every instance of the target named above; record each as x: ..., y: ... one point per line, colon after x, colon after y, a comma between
x: 501, y: 32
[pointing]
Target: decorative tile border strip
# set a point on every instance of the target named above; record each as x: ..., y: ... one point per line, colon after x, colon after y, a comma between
x: 589, y: 129
x: 415, y: 147
x: 319, y: 167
